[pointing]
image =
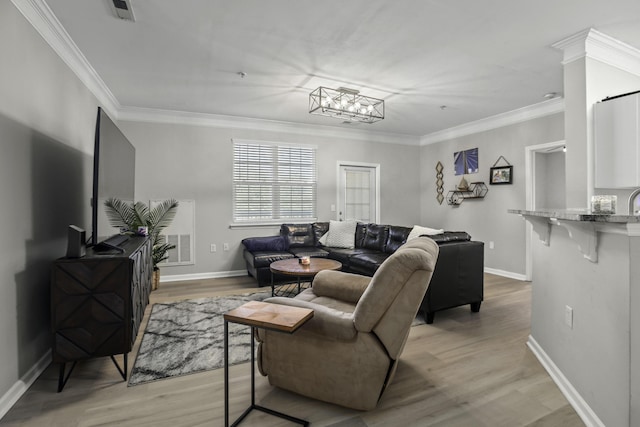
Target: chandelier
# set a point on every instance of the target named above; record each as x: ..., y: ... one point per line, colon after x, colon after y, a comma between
x: 345, y: 104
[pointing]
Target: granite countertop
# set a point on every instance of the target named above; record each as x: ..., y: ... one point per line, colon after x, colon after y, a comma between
x: 578, y: 215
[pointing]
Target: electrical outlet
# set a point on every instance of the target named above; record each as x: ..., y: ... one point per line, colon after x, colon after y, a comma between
x: 491, y: 245
x: 568, y: 316
x: 225, y: 246
x: 214, y: 248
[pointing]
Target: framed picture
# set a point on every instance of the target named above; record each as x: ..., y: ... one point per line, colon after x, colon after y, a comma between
x: 465, y: 162
x: 501, y: 175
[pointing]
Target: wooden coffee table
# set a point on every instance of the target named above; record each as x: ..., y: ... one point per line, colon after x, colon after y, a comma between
x: 257, y: 314
x: 292, y: 267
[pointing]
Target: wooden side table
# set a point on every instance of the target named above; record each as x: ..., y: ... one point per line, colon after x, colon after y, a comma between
x: 292, y: 267
x: 256, y: 314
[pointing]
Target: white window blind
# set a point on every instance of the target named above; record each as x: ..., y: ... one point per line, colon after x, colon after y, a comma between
x: 273, y: 182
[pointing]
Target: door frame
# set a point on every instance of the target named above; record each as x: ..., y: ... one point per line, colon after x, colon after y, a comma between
x: 375, y: 166
x: 530, y: 195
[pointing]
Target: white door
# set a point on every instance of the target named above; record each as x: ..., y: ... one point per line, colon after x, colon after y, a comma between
x: 358, y: 194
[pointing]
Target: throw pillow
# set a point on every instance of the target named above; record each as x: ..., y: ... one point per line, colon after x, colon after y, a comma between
x: 342, y: 234
x: 323, y: 239
x: 418, y: 231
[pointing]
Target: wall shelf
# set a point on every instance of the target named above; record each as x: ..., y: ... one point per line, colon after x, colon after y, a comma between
x: 477, y: 190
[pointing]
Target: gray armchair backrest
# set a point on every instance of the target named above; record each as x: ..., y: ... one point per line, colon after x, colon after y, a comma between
x: 392, y: 299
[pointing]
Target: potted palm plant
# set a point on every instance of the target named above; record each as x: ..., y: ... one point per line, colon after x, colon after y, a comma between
x: 131, y: 216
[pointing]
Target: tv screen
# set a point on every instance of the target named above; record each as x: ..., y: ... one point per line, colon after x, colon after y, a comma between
x: 114, y: 166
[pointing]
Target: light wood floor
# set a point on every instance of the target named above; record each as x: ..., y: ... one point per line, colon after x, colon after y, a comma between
x: 467, y: 369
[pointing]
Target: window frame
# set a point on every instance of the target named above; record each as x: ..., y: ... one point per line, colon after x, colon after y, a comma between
x: 276, y: 217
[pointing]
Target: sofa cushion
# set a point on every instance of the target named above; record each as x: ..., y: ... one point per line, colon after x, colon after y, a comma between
x: 297, y: 235
x: 264, y: 259
x: 319, y: 229
x: 269, y: 243
x: 361, y: 230
x: 343, y: 255
x: 341, y: 234
x: 368, y: 262
x: 375, y: 237
x: 310, y: 251
x: 397, y: 237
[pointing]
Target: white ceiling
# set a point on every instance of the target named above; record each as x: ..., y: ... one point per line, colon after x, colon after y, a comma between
x: 479, y: 58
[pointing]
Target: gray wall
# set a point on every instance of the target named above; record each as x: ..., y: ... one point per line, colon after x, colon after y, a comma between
x: 487, y: 219
x: 47, y: 120
x: 550, y: 180
x: 195, y: 162
x: 594, y: 355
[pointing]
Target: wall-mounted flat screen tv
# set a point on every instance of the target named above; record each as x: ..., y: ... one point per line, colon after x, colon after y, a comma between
x: 114, y: 167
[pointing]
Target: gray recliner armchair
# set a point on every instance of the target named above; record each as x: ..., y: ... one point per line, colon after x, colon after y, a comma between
x: 348, y: 352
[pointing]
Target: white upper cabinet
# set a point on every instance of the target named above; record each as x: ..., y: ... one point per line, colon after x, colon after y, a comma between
x: 617, y: 142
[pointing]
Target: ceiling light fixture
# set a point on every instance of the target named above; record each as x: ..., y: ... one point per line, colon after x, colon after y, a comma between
x: 346, y: 104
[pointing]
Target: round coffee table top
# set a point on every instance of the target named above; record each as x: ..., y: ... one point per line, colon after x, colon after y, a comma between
x: 292, y: 267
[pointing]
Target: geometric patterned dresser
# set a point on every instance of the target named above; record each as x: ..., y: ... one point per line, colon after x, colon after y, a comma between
x: 97, y: 303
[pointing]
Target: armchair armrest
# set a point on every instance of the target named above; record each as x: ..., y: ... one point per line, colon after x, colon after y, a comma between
x: 326, y: 321
x: 339, y: 285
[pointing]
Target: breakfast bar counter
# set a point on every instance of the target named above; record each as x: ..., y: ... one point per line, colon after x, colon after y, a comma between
x: 578, y: 215
x: 583, y: 226
x: 585, y: 317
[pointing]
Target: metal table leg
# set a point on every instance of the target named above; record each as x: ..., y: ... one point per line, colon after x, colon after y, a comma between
x: 253, y: 386
x: 226, y: 373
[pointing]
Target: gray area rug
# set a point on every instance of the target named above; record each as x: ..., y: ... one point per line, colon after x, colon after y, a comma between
x: 186, y: 337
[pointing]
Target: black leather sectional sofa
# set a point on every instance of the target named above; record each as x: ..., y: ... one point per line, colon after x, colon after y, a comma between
x: 457, y: 280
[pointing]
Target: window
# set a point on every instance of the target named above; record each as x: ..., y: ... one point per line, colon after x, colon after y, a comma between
x: 273, y: 182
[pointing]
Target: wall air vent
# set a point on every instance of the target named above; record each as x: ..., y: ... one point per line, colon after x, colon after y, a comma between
x: 123, y: 9
x: 180, y: 233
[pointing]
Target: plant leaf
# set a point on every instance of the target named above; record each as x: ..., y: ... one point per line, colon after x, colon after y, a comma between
x: 160, y: 217
x: 120, y: 214
x: 131, y: 216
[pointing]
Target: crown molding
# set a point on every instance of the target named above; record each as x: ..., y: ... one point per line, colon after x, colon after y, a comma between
x: 593, y: 44
x: 542, y: 109
x: 152, y: 115
x: 41, y: 17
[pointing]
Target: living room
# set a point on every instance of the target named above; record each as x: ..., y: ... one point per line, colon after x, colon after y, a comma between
x: 47, y: 121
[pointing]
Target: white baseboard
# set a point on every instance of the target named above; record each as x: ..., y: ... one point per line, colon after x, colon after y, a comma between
x: 22, y: 385
x: 202, y: 276
x: 503, y: 273
x: 581, y: 407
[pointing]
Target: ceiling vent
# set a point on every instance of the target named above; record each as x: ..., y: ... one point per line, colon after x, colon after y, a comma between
x: 124, y: 9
